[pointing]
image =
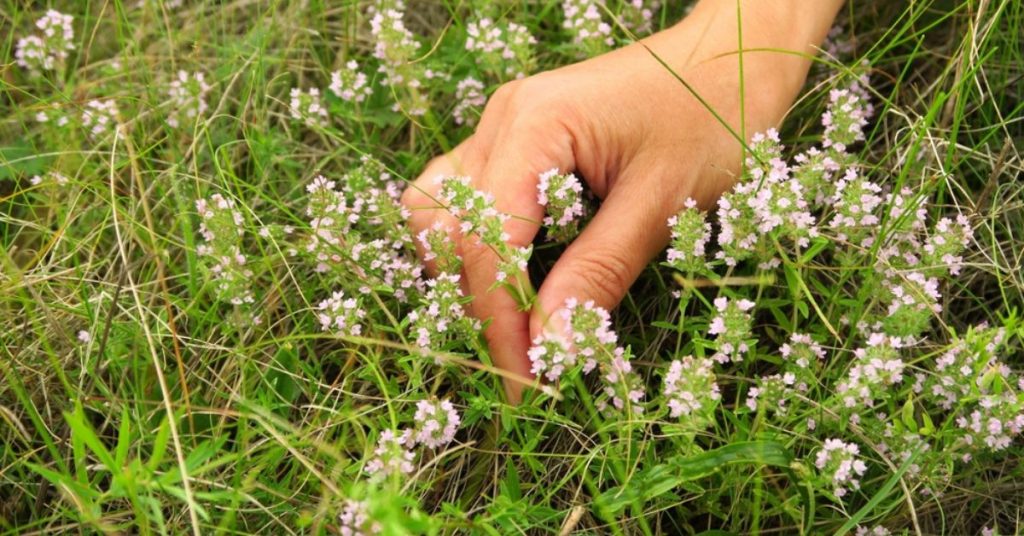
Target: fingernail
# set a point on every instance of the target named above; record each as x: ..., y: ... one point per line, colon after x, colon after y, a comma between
x: 558, y: 324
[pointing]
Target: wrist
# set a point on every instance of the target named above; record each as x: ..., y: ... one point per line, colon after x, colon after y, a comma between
x: 784, y: 32
x: 779, y: 38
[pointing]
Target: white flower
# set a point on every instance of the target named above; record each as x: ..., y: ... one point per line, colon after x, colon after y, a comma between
x: 436, y: 423
x: 307, y: 107
x: 47, y: 50
x: 350, y: 84
x: 187, y: 96
x: 99, y: 117
x: 392, y: 455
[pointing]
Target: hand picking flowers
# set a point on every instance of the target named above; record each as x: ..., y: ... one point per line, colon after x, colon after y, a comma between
x: 223, y: 313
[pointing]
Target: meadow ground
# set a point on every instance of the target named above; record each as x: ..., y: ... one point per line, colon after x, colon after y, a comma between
x: 198, y: 336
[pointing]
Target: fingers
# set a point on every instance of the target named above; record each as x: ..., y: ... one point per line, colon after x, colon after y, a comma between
x: 608, y: 256
x: 511, y: 175
x: 420, y: 197
x: 504, y: 158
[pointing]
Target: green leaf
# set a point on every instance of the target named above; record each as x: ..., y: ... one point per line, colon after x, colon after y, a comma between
x: 908, y: 415
x: 124, y: 435
x: 83, y: 430
x: 817, y: 246
x: 21, y: 159
x: 753, y: 452
x: 661, y: 479
x: 511, y: 484
x: 163, y: 436
x: 928, y: 427
x: 665, y: 325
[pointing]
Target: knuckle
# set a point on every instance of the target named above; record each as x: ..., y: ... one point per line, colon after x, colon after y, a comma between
x: 506, y: 91
x: 413, y: 196
x: 477, y: 259
x: 606, y: 274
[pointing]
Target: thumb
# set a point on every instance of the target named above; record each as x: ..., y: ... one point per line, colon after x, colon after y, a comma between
x: 608, y: 256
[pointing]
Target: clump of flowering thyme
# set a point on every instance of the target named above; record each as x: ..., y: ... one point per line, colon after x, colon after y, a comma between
x: 469, y: 102
x: 47, y: 50
x: 187, y: 96
x: 441, y: 316
x: 583, y: 21
x: 690, y: 235
x: 393, y: 455
x: 876, y: 369
x: 561, y: 196
x: 99, y: 118
x: 350, y: 84
x: 434, y: 426
x: 839, y: 465
x: 503, y: 50
x: 307, y: 107
x: 355, y: 519
x: 480, y: 219
x: 690, y: 391
x: 395, y: 47
x: 732, y: 326
x: 222, y: 227
x: 359, y: 227
x: 341, y: 315
x: 439, y: 248
x: 638, y: 15
x: 588, y: 340
x: 436, y: 423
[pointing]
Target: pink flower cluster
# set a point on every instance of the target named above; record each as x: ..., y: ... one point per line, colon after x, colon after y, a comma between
x: 357, y: 230
x: 732, y: 325
x: 307, y: 107
x: 438, y: 247
x: 221, y: 228
x: 772, y: 392
x: 48, y: 50
x: 994, y: 422
x: 355, y: 520
x: 802, y: 357
x: 877, y: 368
x: 838, y: 463
x: 959, y: 371
x: 99, y: 117
x: 477, y: 216
x: 586, y: 336
x: 435, y: 425
x: 637, y: 15
x: 588, y: 30
x: 469, y: 102
x: 690, y: 235
x: 441, y: 316
x: 187, y: 96
x: 856, y: 202
x: 943, y: 248
x: 561, y: 196
x: 395, y: 46
x: 393, y: 455
x: 690, y: 390
x: 350, y: 84
x: 341, y: 315
x: 768, y: 201
x: 503, y: 50
x: 848, y: 111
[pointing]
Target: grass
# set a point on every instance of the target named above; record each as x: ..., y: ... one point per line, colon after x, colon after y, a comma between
x: 181, y: 414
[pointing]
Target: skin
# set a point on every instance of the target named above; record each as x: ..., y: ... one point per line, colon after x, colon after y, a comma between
x: 641, y: 141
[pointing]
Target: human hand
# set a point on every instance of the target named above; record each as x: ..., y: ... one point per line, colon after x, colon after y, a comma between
x: 643, y: 142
